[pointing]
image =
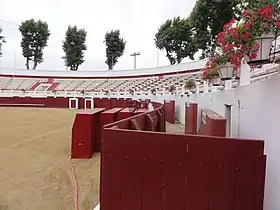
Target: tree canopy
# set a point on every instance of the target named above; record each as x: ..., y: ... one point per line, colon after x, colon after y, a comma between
x: 74, y: 47
x: 175, y: 37
x: 35, y: 35
x: 207, y: 19
x: 115, y: 46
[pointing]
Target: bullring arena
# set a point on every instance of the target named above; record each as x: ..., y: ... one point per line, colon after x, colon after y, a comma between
x: 140, y: 150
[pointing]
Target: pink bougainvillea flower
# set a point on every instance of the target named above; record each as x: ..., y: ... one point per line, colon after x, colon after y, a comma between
x: 245, y: 36
x: 245, y: 13
x: 277, y: 23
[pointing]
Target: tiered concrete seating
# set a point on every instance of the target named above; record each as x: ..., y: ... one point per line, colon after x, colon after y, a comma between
x: 138, y: 85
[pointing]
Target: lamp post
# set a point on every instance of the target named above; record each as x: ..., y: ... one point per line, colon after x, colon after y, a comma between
x: 134, y: 54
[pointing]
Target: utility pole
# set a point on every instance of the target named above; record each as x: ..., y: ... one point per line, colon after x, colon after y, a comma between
x: 134, y: 54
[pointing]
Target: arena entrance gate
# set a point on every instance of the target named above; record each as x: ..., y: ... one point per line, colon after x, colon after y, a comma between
x: 89, y: 103
x: 73, y: 103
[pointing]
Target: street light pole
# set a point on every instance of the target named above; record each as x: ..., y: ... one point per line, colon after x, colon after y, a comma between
x: 134, y: 54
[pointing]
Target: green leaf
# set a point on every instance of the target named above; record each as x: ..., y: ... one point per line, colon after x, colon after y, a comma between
x: 115, y: 46
x: 74, y: 47
x: 35, y: 35
x: 175, y: 37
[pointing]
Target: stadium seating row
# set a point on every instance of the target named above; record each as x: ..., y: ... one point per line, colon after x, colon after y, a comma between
x: 80, y: 84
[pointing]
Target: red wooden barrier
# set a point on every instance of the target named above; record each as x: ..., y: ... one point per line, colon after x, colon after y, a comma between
x: 126, y: 113
x: 108, y: 116
x: 154, y: 171
x: 102, y: 103
x: 86, y: 133
x: 212, y: 124
x: 191, y: 110
x: 169, y: 108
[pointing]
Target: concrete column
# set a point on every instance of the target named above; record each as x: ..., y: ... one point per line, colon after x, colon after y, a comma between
x: 205, y: 87
x: 228, y: 117
x: 197, y: 88
x: 245, y: 74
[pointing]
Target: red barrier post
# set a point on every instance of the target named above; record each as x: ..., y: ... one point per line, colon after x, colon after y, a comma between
x: 85, y: 133
x: 191, y: 110
x: 169, y: 108
x: 107, y: 117
x: 212, y: 124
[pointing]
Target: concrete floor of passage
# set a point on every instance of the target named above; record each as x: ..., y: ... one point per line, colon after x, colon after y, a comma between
x: 175, y: 128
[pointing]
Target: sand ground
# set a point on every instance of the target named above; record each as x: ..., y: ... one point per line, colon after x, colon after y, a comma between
x: 34, y: 170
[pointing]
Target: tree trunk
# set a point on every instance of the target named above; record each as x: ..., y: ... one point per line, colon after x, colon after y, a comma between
x: 35, y: 65
x: 171, y: 59
x: 27, y: 63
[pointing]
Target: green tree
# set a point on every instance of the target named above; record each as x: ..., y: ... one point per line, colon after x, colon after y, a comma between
x: 35, y: 35
x: 74, y: 47
x: 207, y: 19
x: 115, y: 46
x: 175, y: 37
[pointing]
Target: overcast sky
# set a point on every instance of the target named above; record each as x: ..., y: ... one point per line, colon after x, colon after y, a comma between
x: 138, y: 21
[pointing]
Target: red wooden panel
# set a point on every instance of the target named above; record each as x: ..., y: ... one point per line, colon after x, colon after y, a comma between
x: 191, y: 110
x: 197, y: 173
x: 246, y: 186
x: 102, y: 103
x: 120, y: 103
x: 97, y: 128
x: 212, y: 124
x: 261, y: 187
x: 138, y: 123
x: 131, y: 169
x: 152, y: 173
x: 113, y: 103
x: 169, y: 108
x: 248, y: 174
x: 197, y: 191
x: 175, y: 173
x: 110, y: 175
x: 82, y: 136
x: 222, y: 168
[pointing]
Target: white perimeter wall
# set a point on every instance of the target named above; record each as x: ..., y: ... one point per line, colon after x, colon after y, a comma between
x: 259, y: 119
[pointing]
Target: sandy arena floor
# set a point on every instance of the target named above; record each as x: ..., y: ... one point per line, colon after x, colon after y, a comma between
x: 34, y: 169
